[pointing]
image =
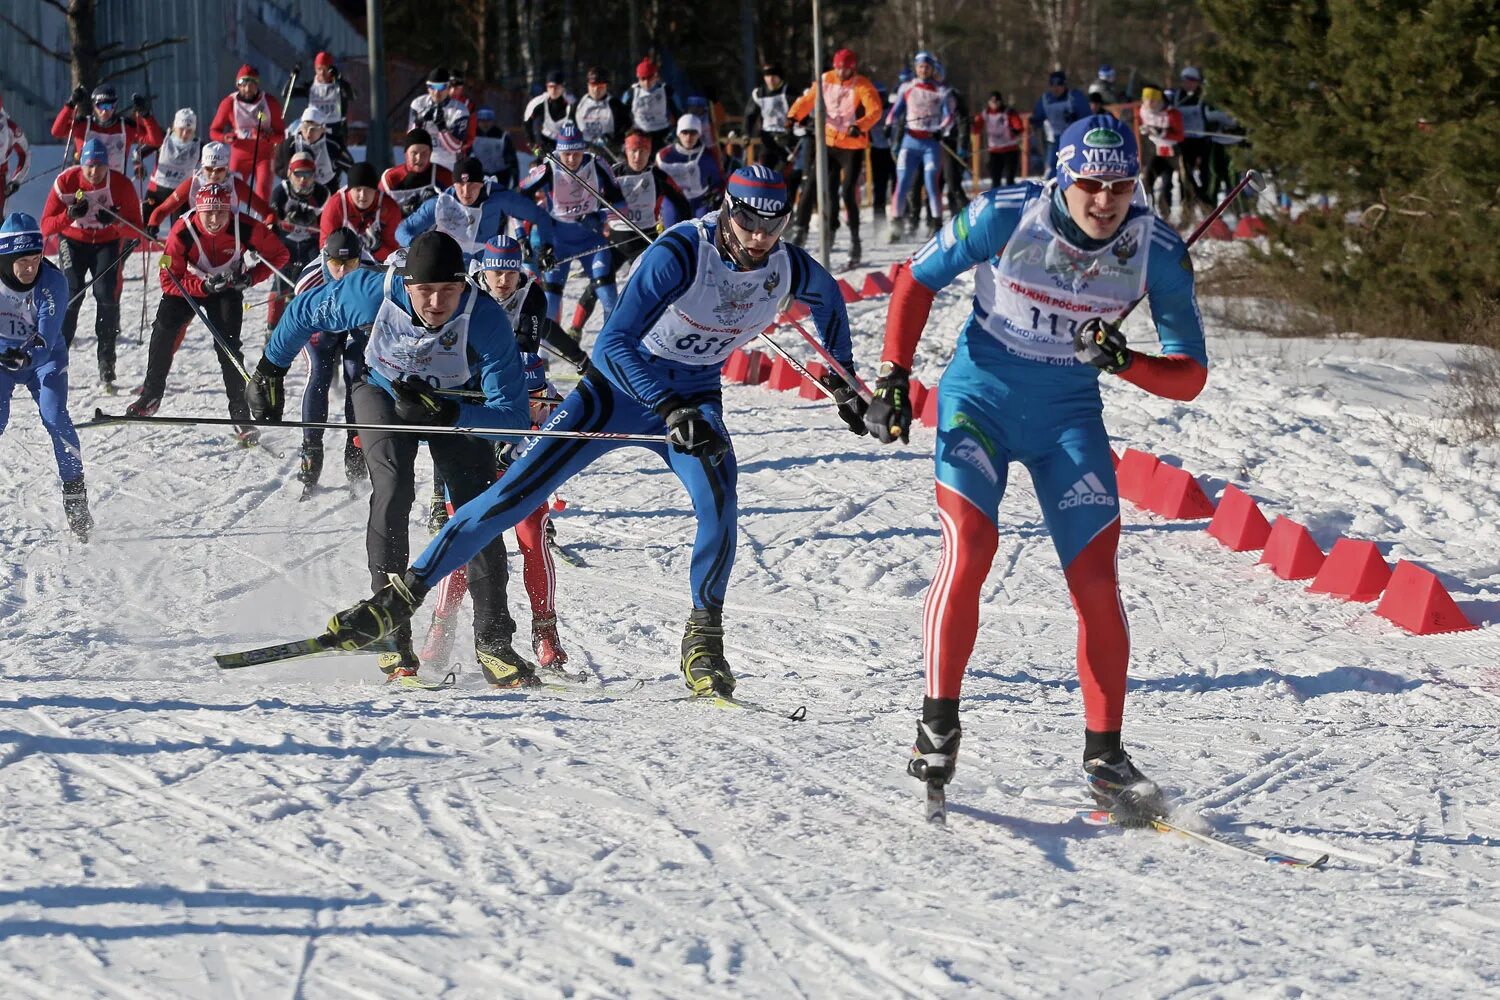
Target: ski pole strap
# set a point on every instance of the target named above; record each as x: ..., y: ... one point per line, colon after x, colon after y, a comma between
x: 102, y: 419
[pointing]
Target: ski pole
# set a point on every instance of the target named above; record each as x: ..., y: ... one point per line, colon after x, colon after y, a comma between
x: 274, y: 269
x: 254, y: 156
x: 796, y: 365
x: 102, y: 419
x: 193, y: 303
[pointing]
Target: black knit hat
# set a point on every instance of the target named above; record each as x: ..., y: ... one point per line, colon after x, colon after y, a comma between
x: 434, y: 256
x: 417, y: 137
x: 468, y: 169
x: 363, y: 175
x: 342, y: 244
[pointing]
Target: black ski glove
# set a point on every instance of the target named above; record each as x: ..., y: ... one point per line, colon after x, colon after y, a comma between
x: 855, y: 131
x: 216, y: 283
x: 13, y: 359
x: 265, y: 394
x: 12, y: 187
x: 106, y: 215
x: 80, y: 99
x: 373, y: 619
x: 851, y: 408
x: 138, y: 104
x: 1101, y: 344
x: 889, y: 414
x: 418, y: 403
x: 78, y: 208
x: 689, y: 432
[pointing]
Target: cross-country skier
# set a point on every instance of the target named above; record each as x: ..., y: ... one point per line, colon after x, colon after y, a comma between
x: 331, y: 94
x: 205, y: 258
x: 329, y: 351
x: 363, y: 207
x: 213, y: 169
x: 704, y: 288
x: 765, y: 117
x: 84, y: 211
x: 13, y: 142
x: 546, y: 112
x: 94, y: 116
x: 34, y: 353
x: 1055, y: 263
x: 852, y: 107
x: 430, y: 330
x: 580, y: 214
x: 1058, y: 107
x: 687, y: 162
x: 473, y: 211
x: 494, y: 149
x: 600, y: 116
x: 176, y: 160
x: 499, y: 271
x: 250, y: 122
x: 298, y: 203
x: 654, y: 203
x: 311, y: 136
x: 445, y: 119
x: 651, y: 104
x: 417, y: 178
x: 925, y: 108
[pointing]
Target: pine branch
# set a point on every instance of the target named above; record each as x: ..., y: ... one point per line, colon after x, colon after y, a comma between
x: 37, y: 42
x: 57, y: 4
x: 139, y: 50
x: 126, y: 71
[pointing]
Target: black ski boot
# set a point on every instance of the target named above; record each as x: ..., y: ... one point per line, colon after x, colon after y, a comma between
x: 107, y: 332
x: 704, y: 669
x: 935, y: 753
x: 437, y: 514
x: 502, y: 666
x: 1118, y: 786
x: 856, y: 258
x: 403, y: 661
x: 354, y: 461
x: 395, y: 600
x: 312, y: 463
x: 76, y: 506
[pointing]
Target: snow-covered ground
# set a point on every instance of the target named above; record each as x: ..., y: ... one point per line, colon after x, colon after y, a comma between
x: 168, y: 830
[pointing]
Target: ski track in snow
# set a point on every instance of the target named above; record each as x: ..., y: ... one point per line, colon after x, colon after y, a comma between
x: 300, y: 831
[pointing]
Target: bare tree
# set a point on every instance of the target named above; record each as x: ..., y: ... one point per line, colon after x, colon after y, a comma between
x: 90, y: 62
x: 1060, y: 21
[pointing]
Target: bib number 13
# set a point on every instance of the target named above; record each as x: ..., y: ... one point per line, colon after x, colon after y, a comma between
x: 1052, y: 318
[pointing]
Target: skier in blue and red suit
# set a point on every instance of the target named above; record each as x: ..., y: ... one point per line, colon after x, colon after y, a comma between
x: 1055, y: 263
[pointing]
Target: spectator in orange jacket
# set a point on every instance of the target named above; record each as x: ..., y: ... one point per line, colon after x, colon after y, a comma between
x: 250, y: 121
x: 92, y: 209
x: 853, y: 107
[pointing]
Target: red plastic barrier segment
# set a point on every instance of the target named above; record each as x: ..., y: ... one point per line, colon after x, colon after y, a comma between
x: 1417, y: 601
x: 1291, y: 552
x: 1134, y: 475
x: 848, y: 292
x: 1176, y: 495
x: 1354, y: 571
x: 808, y: 389
x: 876, y: 284
x: 1238, y: 523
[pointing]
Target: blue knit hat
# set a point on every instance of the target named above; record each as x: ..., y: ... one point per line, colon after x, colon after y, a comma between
x: 500, y: 254
x: 760, y: 189
x: 570, y: 139
x: 1096, y: 146
x: 94, y: 151
x: 20, y: 235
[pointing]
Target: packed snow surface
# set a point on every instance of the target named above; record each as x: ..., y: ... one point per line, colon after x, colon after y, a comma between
x: 170, y: 830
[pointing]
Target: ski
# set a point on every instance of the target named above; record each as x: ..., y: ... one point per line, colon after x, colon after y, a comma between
x: 937, y: 803
x: 1242, y: 846
x: 797, y: 714
x: 414, y: 682
x: 295, y: 650
x: 567, y: 555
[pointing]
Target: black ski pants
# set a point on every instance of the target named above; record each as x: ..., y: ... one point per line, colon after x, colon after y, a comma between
x: 174, y: 314
x: 79, y: 261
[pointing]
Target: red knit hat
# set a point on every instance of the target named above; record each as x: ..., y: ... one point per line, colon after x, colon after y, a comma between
x: 248, y: 72
x: 845, y: 59
x: 323, y: 59
x: 645, y: 69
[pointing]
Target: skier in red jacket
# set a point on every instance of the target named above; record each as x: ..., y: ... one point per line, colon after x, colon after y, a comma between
x: 250, y: 121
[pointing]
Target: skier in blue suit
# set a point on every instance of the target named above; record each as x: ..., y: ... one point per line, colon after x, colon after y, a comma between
x: 33, y: 353
x: 701, y: 290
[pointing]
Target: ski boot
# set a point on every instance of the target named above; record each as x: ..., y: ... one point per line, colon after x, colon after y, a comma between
x: 545, y: 643
x: 144, y: 405
x: 76, y: 506
x: 107, y: 332
x: 312, y: 463
x: 1118, y: 786
x: 437, y: 512
x: 935, y: 753
x: 395, y: 600
x: 798, y: 235
x: 856, y: 258
x: 704, y: 669
x: 247, y: 435
x: 354, y: 461
x: 896, y: 232
x: 402, y: 661
x: 503, y: 667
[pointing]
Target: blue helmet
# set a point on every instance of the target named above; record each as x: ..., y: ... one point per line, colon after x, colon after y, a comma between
x: 758, y: 190
x: 570, y: 139
x: 485, y: 114
x: 94, y: 151
x: 1096, y: 146
x: 924, y: 57
x: 500, y: 254
x: 904, y: 76
x: 1107, y: 73
x: 20, y: 235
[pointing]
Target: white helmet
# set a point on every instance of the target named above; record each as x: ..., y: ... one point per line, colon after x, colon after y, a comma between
x: 216, y: 156
x: 313, y: 115
x: 690, y: 123
x: 185, y: 118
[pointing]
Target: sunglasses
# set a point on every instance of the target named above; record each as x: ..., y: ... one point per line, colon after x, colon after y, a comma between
x: 302, y: 173
x: 755, y: 223
x: 104, y: 105
x: 1093, y: 185
x: 437, y: 86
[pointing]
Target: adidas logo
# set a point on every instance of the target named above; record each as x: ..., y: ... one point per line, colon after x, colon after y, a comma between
x: 1087, y: 492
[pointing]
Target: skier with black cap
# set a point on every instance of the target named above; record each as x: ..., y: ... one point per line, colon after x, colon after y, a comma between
x: 473, y: 211
x: 363, y: 207
x: 416, y: 179
x: 446, y: 119
x: 430, y: 330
